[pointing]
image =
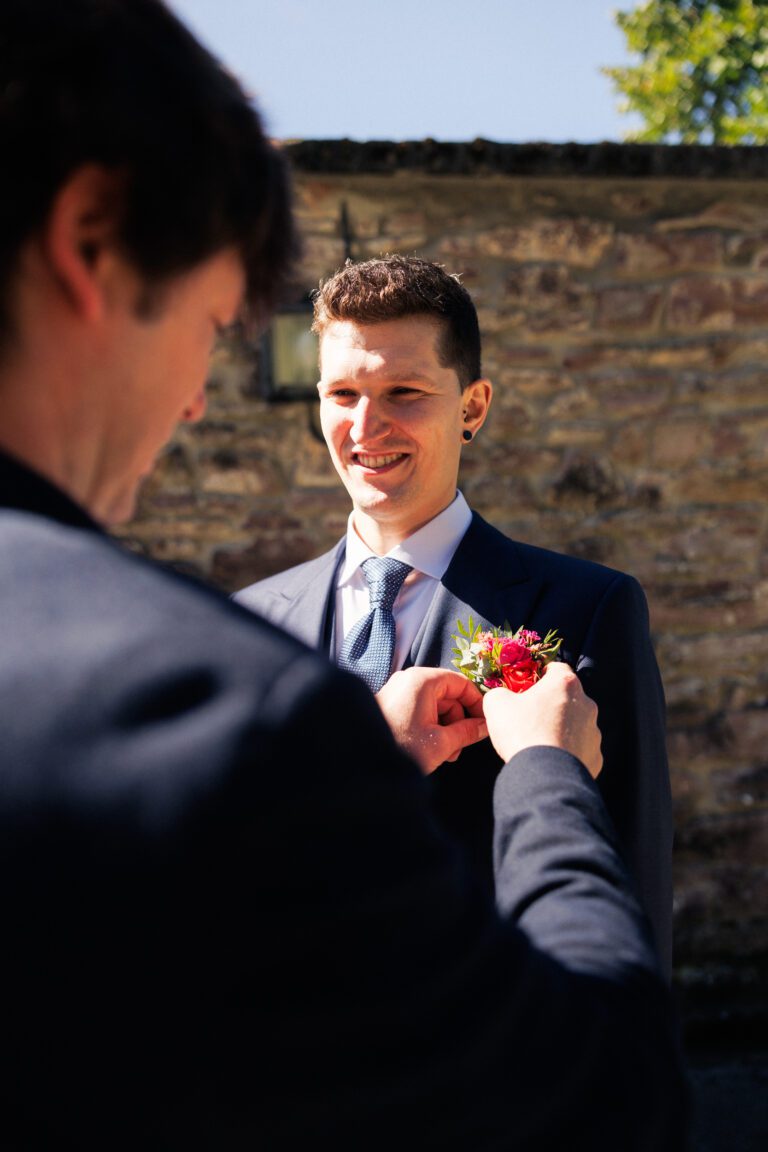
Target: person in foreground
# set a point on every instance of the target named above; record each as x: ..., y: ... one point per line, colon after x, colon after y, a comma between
x: 230, y: 918
x: 401, y: 397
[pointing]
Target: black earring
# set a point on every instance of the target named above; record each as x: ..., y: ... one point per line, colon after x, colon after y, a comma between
x: 466, y: 435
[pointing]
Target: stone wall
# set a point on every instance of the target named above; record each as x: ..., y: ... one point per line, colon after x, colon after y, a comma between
x: 623, y: 297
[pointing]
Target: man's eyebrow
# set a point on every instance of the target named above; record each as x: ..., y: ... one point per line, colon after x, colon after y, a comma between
x: 332, y: 382
x: 397, y: 379
x: 404, y: 377
x: 393, y: 379
x: 410, y: 378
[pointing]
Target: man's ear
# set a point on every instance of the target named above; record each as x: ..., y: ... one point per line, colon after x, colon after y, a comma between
x: 476, y: 400
x: 82, y: 227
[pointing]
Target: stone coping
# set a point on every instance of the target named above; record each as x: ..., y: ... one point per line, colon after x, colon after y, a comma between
x: 485, y: 157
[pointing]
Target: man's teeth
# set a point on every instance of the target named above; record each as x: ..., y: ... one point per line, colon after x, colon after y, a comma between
x: 377, y: 461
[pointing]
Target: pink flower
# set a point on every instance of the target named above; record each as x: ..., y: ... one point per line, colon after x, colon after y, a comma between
x: 512, y: 651
x: 527, y: 637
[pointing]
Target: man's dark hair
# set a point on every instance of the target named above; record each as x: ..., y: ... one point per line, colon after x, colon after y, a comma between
x: 123, y: 84
x: 394, y: 287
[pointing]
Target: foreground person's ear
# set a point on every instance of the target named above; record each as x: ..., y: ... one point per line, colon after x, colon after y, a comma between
x: 82, y: 226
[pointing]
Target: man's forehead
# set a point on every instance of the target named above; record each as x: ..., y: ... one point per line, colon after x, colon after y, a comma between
x: 401, y: 341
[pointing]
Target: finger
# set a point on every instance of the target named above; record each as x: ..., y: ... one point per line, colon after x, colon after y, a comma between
x: 558, y: 670
x: 449, y: 712
x: 454, y: 686
x: 470, y: 697
x: 476, y: 709
x: 460, y: 735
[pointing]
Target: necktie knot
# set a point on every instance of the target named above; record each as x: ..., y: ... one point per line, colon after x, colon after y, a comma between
x: 384, y: 577
x: 370, y: 645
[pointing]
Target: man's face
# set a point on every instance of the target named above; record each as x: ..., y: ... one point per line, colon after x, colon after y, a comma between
x: 160, y: 369
x: 392, y: 417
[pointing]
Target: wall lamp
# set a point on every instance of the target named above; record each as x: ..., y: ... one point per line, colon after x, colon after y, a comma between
x: 289, y: 369
x: 289, y: 360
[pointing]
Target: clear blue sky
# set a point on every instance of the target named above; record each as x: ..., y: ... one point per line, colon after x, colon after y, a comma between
x: 453, y: 70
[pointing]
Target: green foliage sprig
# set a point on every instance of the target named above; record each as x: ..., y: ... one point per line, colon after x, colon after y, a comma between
x: 703, y: 71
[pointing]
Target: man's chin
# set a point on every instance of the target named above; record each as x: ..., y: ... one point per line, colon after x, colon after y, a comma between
x: 380, y: 486
x: 372, y: 501
x: 122, y: 507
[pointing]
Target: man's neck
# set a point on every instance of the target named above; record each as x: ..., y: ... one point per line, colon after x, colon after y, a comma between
x: 40, y: 423
x: 49, y: 441
x: 379, y: 541
x: 380, y: 537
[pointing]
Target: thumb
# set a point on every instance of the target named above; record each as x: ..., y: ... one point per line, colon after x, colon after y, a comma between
x: 498, y: 702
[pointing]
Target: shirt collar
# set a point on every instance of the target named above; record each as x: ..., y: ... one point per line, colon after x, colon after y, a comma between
x: 429, y: 550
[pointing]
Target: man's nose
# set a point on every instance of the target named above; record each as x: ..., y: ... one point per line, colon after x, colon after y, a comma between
x: 369, y: 421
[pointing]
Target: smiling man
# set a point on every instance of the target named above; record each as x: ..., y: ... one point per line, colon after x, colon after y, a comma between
x: 393, y: 418
x: 402, y: 395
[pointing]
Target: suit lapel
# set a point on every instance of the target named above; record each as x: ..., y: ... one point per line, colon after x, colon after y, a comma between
x: 486, y: 580
x: 307, y: 604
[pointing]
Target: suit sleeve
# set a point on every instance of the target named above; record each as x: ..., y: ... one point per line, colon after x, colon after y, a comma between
x: 618, y: 669
x: 418, y: 1003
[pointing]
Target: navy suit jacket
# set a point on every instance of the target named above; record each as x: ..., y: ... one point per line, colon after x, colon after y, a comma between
x: 603, y: 618
x: 231, y: 920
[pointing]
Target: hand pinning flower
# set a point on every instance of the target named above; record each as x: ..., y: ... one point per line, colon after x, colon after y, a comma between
x: 503, y: 658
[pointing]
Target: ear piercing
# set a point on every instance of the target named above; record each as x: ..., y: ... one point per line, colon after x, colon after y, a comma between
x: 466, y: 435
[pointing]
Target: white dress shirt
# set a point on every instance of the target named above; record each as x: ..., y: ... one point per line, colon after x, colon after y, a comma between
x: 428, y: 551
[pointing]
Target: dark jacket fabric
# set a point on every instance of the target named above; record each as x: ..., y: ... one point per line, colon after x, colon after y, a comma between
x: 232, y: 920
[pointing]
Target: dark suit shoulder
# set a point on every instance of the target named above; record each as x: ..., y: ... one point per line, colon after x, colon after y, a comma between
x: 570, y: 585
x: 533, y: 560
x: 109, y: 657
x: 575, y: 567
x: 288, y: 583
x: 82, y: 575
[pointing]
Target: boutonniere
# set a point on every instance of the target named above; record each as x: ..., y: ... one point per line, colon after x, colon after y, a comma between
x: 502, y: 658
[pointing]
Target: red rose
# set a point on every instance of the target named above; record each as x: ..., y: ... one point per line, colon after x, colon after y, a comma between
x: 521, y: 674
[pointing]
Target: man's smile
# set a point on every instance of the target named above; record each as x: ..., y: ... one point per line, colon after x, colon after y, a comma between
x: 366, y: 460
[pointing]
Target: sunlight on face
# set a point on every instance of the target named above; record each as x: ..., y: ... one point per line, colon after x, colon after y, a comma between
x: 392, y: 419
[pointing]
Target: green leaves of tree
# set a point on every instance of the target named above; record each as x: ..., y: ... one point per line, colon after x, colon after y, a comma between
x: 703, y: 71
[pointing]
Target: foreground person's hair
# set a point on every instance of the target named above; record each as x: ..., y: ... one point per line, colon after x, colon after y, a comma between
x: 123, y: 84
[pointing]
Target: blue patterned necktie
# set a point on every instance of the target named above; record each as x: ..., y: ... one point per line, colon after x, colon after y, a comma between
x: 370, y: 645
